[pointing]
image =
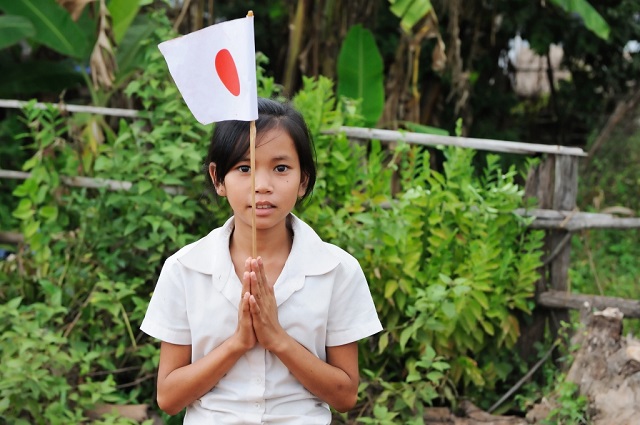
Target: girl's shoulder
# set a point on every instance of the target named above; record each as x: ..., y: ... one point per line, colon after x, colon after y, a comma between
x: 318, y: 251
x: 200, y: 255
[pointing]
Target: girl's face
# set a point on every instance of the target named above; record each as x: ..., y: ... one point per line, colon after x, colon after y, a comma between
x: 278, y: 182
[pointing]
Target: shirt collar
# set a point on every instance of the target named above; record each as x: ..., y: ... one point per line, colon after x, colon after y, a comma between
x: 309, y: 254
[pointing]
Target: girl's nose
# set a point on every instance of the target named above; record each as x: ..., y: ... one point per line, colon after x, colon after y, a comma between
x: 263, y: 182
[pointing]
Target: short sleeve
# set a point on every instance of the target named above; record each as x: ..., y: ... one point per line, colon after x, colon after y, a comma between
x: 166, y: 317
x: 352, y: 313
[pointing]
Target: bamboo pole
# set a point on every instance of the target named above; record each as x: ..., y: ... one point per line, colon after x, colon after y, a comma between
x: 114, y: 112
x: 464, y: 142
x: 88, y: 182
x: 252, y: 154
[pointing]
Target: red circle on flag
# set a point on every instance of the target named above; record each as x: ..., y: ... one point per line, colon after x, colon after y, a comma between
x: 227, y: 71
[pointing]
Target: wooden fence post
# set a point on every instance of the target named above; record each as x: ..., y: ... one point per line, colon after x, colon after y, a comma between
x: 539, y: 185
x: 554, y: 183
x: 565, y: 191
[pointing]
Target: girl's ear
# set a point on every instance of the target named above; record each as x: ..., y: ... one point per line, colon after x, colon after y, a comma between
x: 304, y: 181
x: 220, y: 190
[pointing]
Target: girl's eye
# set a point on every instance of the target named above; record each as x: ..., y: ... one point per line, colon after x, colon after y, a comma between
x: 282, y: 168
x: 244, y: 168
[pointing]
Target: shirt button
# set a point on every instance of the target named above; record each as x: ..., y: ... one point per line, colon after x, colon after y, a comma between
x: 257, y: 405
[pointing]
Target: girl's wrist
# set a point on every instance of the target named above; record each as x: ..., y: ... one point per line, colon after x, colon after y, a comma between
x: 237, y: 345
x: 282, y: 344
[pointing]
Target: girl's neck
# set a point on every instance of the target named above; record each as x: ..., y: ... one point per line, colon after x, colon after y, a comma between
x: 272, y: 243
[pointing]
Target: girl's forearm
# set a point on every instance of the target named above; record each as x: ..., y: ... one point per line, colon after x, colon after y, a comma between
x: 185, y: 384
x: 334, y: 385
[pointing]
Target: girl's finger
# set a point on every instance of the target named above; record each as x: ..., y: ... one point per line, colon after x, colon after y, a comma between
x: 263, y: 275
x: 246, y: 282
x: 247, y: 270
x: 254, y: 307
x: 256, y: 288
x: 245, y: 302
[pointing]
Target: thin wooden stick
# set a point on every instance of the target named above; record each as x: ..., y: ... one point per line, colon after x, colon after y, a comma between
x: 252, y: 154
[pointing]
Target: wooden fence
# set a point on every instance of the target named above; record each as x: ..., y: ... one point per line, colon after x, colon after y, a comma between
x: 554, y: 183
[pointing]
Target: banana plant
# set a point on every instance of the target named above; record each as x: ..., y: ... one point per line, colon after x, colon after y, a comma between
x: 591, y: 18
x: 360, y: 73
x: 46, y: 24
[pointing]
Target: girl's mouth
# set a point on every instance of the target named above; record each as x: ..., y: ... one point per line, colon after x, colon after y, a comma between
x: 263, y: 205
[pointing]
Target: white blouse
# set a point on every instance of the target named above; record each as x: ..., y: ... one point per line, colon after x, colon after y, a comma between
x: 323, y: 300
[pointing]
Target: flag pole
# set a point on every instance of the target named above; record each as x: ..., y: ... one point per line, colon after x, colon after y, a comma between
x: 252, y: 159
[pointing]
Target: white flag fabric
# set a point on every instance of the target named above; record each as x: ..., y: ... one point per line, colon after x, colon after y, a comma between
x: 215, y: 71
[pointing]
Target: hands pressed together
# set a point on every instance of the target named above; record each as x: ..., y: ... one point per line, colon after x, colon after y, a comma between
x: 258, y: 311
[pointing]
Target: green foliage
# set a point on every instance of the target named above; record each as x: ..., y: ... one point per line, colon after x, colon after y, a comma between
x: 360, y: 73
x: 45, y: 378
x: 571, y: 406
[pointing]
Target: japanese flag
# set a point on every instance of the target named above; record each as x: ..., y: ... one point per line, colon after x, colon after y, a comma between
x: 215, y: 71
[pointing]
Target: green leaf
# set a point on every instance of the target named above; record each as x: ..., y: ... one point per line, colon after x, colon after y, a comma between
x: 13, y: 29
x: 383, y: 342
x: 410, y: 11
x: 28, y: 188
x: 449, y: 309
x: 53, y: 25
x: 360, y: 72
x: 591, y: 18
x: 130, y: 52
x: 406, y: 334
x: 49, y: 212
x: 23, y: 211
x: 31, y: 228
x: 122, y: 14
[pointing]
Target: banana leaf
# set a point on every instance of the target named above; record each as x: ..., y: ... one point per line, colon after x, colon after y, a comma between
x: 14, y: 29
x: 361, y: 73
x: 591, y: 18
x: 410, y: 11
x: 53, y: 26
x: 122, y: 14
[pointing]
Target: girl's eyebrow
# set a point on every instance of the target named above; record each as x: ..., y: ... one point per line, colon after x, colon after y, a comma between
x: 281, y: 158
x: 275, y: 158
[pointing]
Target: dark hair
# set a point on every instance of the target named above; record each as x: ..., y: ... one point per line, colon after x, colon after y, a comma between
x: 230, y: 141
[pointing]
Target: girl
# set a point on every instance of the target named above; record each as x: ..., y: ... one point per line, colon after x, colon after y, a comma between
x: 260, y: 340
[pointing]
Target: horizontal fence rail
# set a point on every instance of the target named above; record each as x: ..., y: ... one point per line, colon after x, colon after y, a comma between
x: 463, y: 142
x: 88, y: 182
x: 98, y: 110
x: 575, y: 220
x: 353, y: 132
x: 563, y: 300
